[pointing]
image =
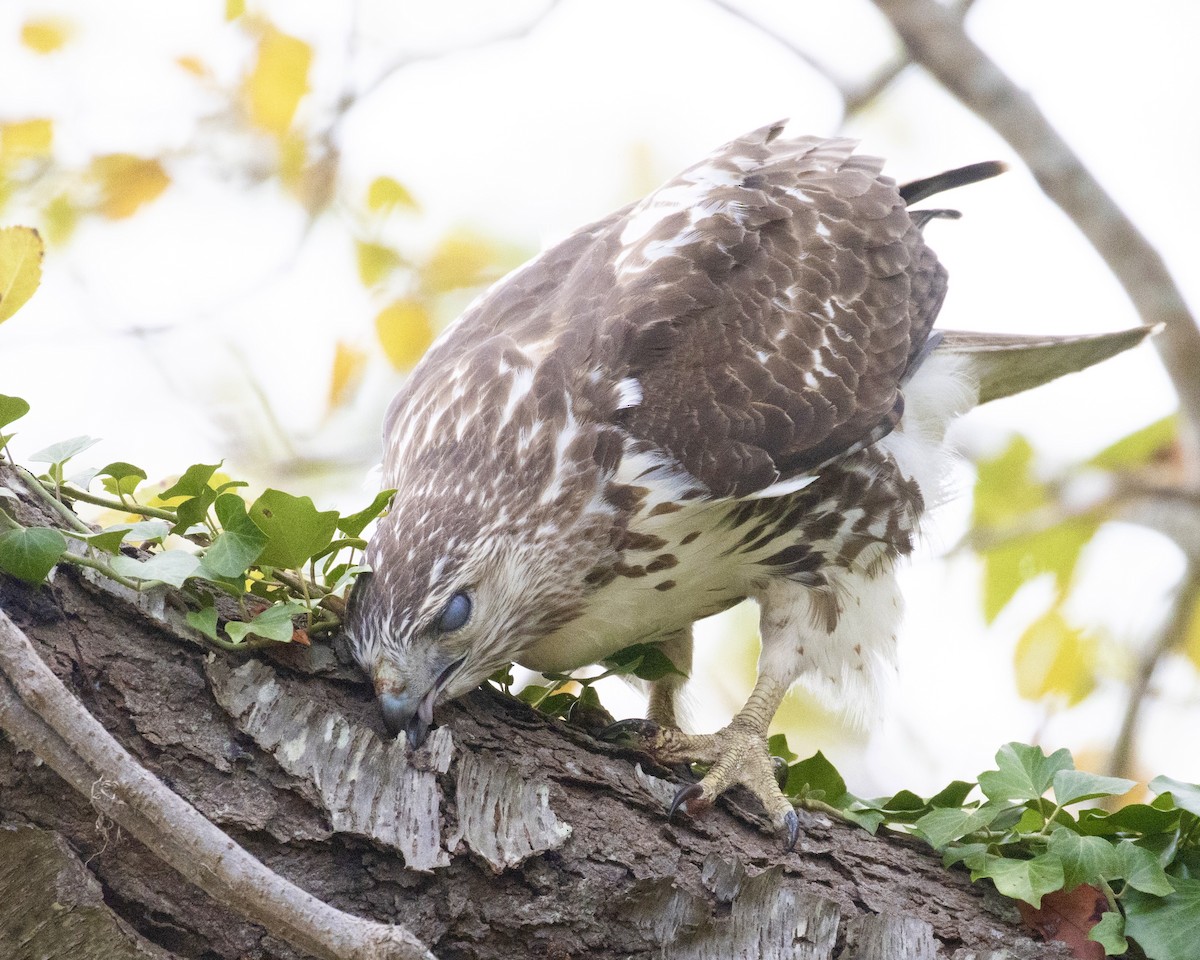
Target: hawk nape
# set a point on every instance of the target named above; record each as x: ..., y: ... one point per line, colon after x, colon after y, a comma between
x: 730, y: 389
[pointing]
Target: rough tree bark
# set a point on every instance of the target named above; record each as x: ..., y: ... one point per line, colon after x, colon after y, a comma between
x: 507, y: 836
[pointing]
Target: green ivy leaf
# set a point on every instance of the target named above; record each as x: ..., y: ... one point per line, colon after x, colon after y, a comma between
x: 194, y: 510
x: 11, y: 410
x: 1072, y: 786
x: 31, y: 552
x: 342, y: 543
x: 1166, y: 928
x: 1141, y: 869
x: 1084, y: 859
x: 1027, y: 880
x: 59, y: 453
x: 1109, y: 932
x: 777, y: 746
x: 1134, y: 818
x: 353, y: 525
x: 532, y: 693
x: 940, y: 827
x: 1024, y: 772
x: 143, y: 531
x: 192, y: 483
x: 816, y: 777
x: 171, y: 567
x: 108, y: 541
x: 503, y: 678
x: 274, y: 623
x: 294, y: 527
x: 969, y: 853
x: 557, y: 704
x: 239, y: 543
x: 1186, y: 795
x: 904, y: 802
x: 205, y: 621
x: 345, y: 577
x: 952, y: 795
x: 121, y: 479
x: 644, y: 660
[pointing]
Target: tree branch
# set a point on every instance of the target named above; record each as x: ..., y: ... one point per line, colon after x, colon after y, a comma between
x: 1171, y: 638
x: 935, y: 39
x: 41, y: 715
x: 855, y: 97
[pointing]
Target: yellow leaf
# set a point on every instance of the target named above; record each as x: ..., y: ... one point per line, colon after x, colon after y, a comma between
x: 1054, y: 659
x: 349, y: 362
x: 126, y: 183
x: 21, y: 251
x: 405, y: 331
x: 278, y: 81
x: 193, y: 65
x: 26, y: 138
x: 234, y: 9
x: 60, y: 217
x: 375, y: 261
x: 293, y: 158
x: 464, y: 258
x: 385, y: 193
x: 45, y: 34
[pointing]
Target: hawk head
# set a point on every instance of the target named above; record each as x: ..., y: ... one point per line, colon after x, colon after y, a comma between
x: 449, y: 606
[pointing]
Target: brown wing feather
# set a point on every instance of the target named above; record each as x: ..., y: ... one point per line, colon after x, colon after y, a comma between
x: 769, y: 301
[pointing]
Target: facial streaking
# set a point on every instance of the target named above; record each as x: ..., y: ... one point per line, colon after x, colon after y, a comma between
x: 428, y: 629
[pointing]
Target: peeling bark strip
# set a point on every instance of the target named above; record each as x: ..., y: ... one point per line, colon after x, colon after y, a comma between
x: 366, y: 785
x: 767, y: 920
x: 504, y: 817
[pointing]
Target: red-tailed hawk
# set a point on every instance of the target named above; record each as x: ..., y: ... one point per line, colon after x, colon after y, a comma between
x: 730, y: 389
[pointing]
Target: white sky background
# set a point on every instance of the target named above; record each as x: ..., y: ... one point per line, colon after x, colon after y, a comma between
x: 529, y: 139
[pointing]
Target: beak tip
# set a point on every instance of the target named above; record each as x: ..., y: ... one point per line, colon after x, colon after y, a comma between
x: 398, y: 711
x: 416, y: 732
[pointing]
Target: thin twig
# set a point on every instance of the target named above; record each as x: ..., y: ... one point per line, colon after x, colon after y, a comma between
x: 42, y: 716
x: 1120, y: 761
x: 856, y: 97
x: 935, y: 39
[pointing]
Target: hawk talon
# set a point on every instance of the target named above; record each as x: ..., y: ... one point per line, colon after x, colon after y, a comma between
x: 791, y: 820
x: 684, y: 796
x: 779, y: 767
x: 627, y: 731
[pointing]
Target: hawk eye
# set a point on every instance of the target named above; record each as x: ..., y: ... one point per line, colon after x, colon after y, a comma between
x: 455, y: 613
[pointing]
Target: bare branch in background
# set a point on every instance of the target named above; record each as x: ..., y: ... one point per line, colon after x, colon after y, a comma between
x: 519, y: 32
x: 856, y: 97
x: 42, y: 716
x: 1120, y: 761
x: 935, y: 39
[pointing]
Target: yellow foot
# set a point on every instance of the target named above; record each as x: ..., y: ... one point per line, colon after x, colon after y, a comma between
x: 735, y: 754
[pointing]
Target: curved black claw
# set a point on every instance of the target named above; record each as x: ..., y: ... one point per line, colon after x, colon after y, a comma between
x: 686, y: 794
x: 633, y: 731
x: 792, y: 822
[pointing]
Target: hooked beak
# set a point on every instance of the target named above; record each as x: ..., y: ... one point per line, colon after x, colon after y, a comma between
x: 404, y: 712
